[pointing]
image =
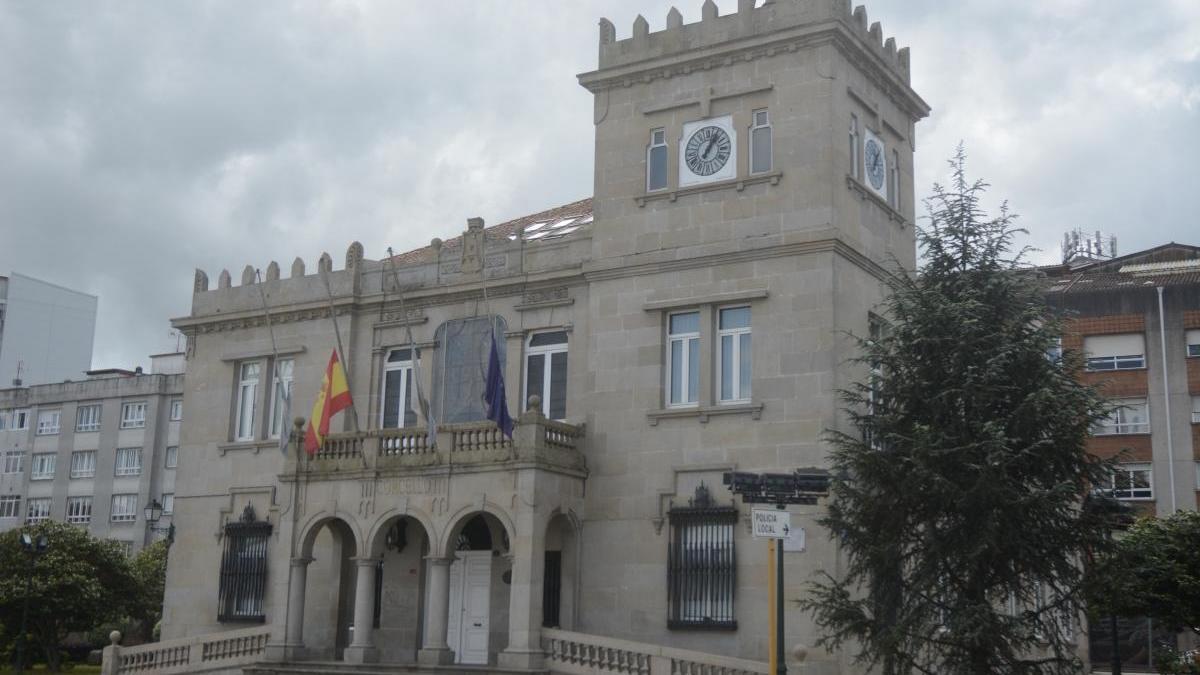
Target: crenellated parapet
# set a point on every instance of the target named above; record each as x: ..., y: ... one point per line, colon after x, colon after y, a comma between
x: 750, y: 32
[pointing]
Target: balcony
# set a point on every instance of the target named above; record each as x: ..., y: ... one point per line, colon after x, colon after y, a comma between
x: 536, y: 441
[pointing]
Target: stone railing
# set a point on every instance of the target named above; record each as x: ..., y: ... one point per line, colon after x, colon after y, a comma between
x: 535, y: 439
x: 581, y: 654
x: 211, y: 653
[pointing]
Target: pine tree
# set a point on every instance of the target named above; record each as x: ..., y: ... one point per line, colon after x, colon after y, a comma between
x: 958, y: 504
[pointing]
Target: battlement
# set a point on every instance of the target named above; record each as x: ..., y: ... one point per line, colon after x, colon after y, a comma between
x: 714, y: 36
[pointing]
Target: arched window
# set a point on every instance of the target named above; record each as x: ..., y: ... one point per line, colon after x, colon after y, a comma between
x: 546, y: 372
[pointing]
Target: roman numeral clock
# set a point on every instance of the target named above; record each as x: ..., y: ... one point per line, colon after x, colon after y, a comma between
x: 707, y: 151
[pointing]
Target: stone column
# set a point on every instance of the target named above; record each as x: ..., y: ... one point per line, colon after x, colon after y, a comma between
x: 293, y: 641
x: 525, y: 594
x: 435, y: 651
x: 362, y: 649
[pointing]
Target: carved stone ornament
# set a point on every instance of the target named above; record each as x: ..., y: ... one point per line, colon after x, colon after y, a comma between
x: 297, y: 268
x: 201, y: 283
x: 273, y: 271
x: 472, y: 252
x: 354, y: 255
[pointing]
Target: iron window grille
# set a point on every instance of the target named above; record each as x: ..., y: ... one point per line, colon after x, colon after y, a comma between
x: 133, y: 416
x: 243, y: 582
x: 701, y: 565
x: 87, y: 418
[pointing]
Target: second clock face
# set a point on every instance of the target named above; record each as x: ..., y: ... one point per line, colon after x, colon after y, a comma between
x: 875, y: 168
x: 707, y: 150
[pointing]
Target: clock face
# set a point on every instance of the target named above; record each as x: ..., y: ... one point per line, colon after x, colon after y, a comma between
x: 707, y: 150
x: 874, y: 161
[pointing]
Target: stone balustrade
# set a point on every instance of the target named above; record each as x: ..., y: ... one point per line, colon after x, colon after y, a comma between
x: 582, y: 654
x: 535, y: 439
x: 221, y: 652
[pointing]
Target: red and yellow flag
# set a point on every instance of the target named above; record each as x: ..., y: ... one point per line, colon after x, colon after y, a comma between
x: 333, y: 397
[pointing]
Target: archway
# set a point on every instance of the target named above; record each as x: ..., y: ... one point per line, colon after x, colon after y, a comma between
x: 400, y: 544
x: 560, y: 573
x: 480, y: 578
x: 329, y: 587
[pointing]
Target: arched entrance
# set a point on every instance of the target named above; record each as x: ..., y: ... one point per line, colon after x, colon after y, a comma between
x: 399, y: 548
x: 479, y: 582
x: 328, y: 551
x: 560, y: 573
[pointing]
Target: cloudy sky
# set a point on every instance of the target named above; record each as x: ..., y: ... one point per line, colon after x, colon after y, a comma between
x: 140, y: 140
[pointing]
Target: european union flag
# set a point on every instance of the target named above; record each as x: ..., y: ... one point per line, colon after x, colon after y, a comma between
x: 493, y: 395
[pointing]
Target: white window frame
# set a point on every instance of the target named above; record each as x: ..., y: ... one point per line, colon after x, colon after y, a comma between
x: 133, y: 415
x: 129, y: 508
x: 122, y: 465
x: 49, y: 422
x: 855, y: 146
x: 1113, y: 362
x: 688, y: 398
x: 546, y: 352
x: 87, y: 417
x: 280, y: 384
x: 736, y: 367
x: 1196, y: 410
x: 171, y: 457
x: 1116, y: 424
x: 37, y: 509
x: 79, y: 510
x: 10, y: 506
x: 1130, y: 493
x: 81, y: 467
x: 20, y: 419
x: 247, y: 395
x: 406, y: 369
x: 14, y: 461
x: 42, y: 466
x: 168, y: 503
x: 1193, y: 343
x: 755, y: 127
x: 658, y: 139
x: 176, y: 410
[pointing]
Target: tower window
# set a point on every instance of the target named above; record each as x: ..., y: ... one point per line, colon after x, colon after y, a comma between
x: 656, y: 161
x: 894, y: 193
x: 760, y: 142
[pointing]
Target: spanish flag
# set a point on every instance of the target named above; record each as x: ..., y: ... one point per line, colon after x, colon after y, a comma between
x: 333, y: 397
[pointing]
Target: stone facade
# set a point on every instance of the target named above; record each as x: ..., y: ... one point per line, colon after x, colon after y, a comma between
x: 802, y: 244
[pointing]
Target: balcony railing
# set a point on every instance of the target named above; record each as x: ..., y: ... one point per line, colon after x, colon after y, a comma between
x: 535, y: 439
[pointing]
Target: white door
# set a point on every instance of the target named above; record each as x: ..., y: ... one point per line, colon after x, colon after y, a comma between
x: 470, y: 604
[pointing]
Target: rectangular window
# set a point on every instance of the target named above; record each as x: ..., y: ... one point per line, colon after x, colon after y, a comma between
x: 43, y: 466
x: 733, y: 371
x: 10, y: 506
x: 546, y: 372
x: 79, y: 510
x: 243, y: 582
x: 1132, y: 417
x: 3, y: 420
x: 129, y: 462
x: 760, y: 142
x: 1115, y: 352
x: 37, y: 510
x: 14, y: 461
x: 83, y: 464
x: 176, y: 409
x: 656, y: 161
x: 20, y: 420
x: 124, y: 508
x: 281, y: 391
x: 701, y: 567
x: 854, y: 145
x: 1193, y: 343
x: 171, y: 459
x: 133, y: 415
x: 894, y: 193
x: 168, y: 503
x: 1133, y: 482
x: 397, y: 390
x: 49, y: 422
x: 1196, y: 410
x: 87, y: 418
x: 683, y: 358
x: 247, y: 400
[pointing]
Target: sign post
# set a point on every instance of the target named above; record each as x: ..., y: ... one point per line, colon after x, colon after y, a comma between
x: 774, y: 526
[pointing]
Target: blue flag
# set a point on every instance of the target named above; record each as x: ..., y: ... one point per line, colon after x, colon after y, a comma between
x: 493, y: 394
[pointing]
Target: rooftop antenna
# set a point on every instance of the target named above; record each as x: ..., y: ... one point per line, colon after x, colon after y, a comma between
x: 178, y: 339
x: 1083, y: 246
x: 17, y: 379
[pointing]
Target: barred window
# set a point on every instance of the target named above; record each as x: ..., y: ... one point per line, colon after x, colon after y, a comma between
x: 83, y: 464
x: 133, y: 415
x: 701, y: 565
x: 244, y: 569
x: 129, y: 462
x: 124, y: 508
x: 87, y: 418
x: 10, y: 506
x: 79, y: 510
x: 37, y: 510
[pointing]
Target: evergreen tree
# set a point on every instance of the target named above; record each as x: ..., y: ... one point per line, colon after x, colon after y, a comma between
x: 958, y: 504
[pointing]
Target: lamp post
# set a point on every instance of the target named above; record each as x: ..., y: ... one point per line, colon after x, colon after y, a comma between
x: 802, y: 486
x: 153, y: 512
x: 34, y: 548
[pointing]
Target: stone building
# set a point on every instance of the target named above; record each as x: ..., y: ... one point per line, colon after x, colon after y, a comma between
x: 93, y: 452
x: 753, y: 183
x: 1137, y: 319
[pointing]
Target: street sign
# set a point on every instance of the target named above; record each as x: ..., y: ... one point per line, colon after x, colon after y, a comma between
x: 770, y: 523
x: 795, y: 541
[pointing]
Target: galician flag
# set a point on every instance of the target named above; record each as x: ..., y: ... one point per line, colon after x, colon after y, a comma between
x: 493, y: 394
x: 333, y: 397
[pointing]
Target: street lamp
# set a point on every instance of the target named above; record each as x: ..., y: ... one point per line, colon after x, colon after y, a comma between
x: 33, y: 548
x: 153, y: 513
x: 802, y: 486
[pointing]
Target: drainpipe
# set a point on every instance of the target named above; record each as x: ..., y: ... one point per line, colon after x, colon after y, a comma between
x: 1162, y: 336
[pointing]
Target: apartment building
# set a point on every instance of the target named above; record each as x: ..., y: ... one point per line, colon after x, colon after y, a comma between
x: 93, y: 452
x: 46, y: 331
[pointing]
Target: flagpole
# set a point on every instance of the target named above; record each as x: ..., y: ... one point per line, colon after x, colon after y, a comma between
x: 337, y: 333
x: 285, y: 430
x: 415, y: 374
